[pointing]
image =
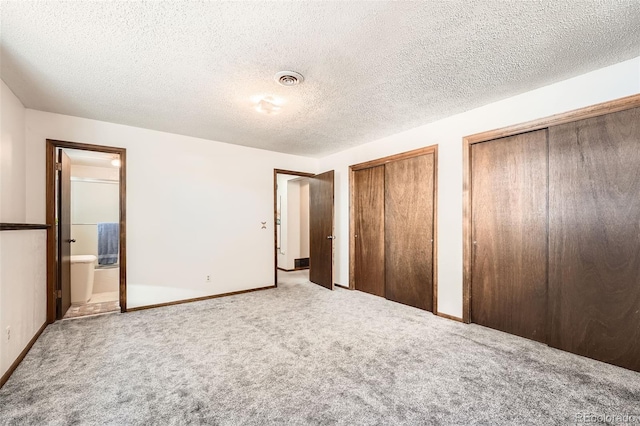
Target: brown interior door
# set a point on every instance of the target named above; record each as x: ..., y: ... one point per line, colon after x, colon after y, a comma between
x: 594, y: 231
x: 409, y: 189
x: 321, y: 229
x: 509, y: 234
x: 64, y: 234
x: 368, y: 187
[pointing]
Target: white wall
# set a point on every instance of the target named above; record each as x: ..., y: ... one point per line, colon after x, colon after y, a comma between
x: 194, y: 206
x: 12, y: 157
x: 606, y: 84
x: 93, y: 172
x: 94, y: 202
x: 22, y: 290
x: 91, y: 203
x: 22, y: 253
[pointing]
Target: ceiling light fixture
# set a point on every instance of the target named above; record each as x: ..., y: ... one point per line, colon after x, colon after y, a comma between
x: 268, y: 106
x: 288, y: 78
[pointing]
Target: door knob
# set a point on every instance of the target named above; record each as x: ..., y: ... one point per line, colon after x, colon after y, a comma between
x: 71, y: 241
x: 331, y: 237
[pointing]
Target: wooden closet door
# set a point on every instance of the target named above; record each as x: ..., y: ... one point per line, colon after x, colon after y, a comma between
x: 509, y: 234
x: 369, y: 230
x: 594, y: 202
x: 409, y: 186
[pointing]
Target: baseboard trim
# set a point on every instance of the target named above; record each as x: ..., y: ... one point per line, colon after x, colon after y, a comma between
x: 24, y: 353
x: 197, y: 299
x: 451, y: 317
x: 341, y: 286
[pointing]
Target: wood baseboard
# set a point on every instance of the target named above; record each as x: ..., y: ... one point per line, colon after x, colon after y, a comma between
x: 341, y: 286
x: 24, y: 353
x: 197, y: 299
x: 451, y: 317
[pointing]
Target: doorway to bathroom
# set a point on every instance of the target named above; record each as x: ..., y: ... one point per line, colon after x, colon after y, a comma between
x: 86, y: 250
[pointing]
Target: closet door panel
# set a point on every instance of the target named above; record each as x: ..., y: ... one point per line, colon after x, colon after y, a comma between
x: 369, y: 230
x: 509, y: 233
x: 594, y: 277
x: 409, y: 189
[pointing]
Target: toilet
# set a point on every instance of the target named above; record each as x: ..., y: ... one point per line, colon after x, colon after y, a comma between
x: 82, y: 278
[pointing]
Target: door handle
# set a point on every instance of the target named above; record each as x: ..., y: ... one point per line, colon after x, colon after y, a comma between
x: 71, y: 241
x: 331, y: 237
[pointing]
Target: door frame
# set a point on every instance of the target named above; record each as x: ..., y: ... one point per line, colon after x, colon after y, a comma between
x: 52, y: 265
x: 603, y: 108
x: 431, y: 149
x: 277, y: 172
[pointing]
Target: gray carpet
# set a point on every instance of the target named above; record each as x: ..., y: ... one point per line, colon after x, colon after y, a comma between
x: 301, y: 354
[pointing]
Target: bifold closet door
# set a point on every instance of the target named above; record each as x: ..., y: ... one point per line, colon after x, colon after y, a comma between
x: 594, y: 229
x: 509, y: 234
x: 409, y: 189
x: 369, y: 230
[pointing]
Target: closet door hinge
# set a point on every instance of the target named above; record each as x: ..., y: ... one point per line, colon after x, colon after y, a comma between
x: 59, y: 294
x: 59, y: 167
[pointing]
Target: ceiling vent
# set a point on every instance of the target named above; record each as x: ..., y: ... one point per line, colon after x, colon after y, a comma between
x: 289, y: 78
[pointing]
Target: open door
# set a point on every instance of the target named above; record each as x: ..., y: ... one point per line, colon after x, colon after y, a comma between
x: 64, y: 234
x: 321, y: 229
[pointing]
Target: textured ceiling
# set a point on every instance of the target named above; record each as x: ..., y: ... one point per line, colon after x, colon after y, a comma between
x: 371, y: 68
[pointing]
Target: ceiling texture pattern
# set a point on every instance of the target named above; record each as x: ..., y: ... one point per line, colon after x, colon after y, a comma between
x: 371, y: 68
